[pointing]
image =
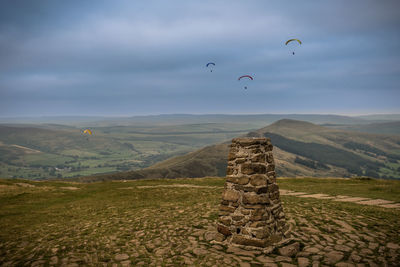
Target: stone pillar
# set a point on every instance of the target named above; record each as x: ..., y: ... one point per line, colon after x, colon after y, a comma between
x: 250, y: 212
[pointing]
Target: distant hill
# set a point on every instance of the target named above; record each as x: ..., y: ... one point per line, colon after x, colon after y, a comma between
x: 392, y: 127
x: 300, y: 149
x: 380, y: 117
x: 253, y: 120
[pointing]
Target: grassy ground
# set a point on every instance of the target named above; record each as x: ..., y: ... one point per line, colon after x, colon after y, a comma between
x: 370, y: 188
x: 154, y: 223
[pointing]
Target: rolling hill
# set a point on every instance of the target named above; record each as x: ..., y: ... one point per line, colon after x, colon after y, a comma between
x: 253, y: 120
x: 300, y: 149
x: 41, y: 151
x: 392, y: 127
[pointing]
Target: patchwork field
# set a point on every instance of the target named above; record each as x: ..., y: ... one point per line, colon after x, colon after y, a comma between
x: 58, y: 151
x: 170, y: 223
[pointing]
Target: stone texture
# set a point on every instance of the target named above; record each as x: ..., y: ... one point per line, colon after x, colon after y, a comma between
x: 290, y: 250
x: 242, y: 240
x: 231, y: 195
x: 259, y: 179
x: 223, y: 230
x: 303, y: 262
x: 333, y: 257
x: 251, y: 211
x: 120, y: 257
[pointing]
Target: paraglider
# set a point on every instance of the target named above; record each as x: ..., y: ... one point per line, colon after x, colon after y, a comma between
x: 210, y: 63
x: 245, y: 76
x: 291, y: 40
x: 87, y: 132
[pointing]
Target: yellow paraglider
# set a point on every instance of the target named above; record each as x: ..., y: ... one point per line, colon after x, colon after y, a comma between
x: 291, y: 40
x: 87, y: 131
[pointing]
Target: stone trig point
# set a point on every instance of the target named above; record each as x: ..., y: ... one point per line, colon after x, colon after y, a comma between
x: 251, y: 213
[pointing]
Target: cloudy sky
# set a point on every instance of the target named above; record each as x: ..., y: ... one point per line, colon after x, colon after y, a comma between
x: 148, y: 57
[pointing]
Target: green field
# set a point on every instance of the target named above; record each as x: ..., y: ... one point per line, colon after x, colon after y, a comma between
x: 55, y: 151
x: 166, y: 222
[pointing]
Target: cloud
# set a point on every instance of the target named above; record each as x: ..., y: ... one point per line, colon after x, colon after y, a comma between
x: 152, y: 55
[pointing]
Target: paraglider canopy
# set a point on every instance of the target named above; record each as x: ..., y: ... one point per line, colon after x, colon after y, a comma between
x: 245, y: 76
x: 291, y: 40
x: 210, y: 63
x: 88, y: 131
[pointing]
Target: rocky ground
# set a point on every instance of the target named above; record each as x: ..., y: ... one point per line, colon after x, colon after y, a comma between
x: 176, y: 230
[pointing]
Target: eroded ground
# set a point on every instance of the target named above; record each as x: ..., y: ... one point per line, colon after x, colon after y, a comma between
x: 143, y: 224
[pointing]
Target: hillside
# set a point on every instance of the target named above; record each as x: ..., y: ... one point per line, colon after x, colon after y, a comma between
x: 300, y: 149
x: 323, y: 149
x: 392, y: 127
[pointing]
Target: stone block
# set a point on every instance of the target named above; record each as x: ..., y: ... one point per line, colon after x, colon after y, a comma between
x: 237, y: 217
x: 225, y: 202
x: 258, y: 179
x: 290, y: 250
x: 272, y: 188
x: 269, y: 157
x: 253, y: 168
x: 246, y: 241
x: 275, y: 238
x: 223, y: 230
x: 240, y: 160
x: 223, y: 213
x: 254, y: 206
x: 245, y: 212
x: 270, y: 167
x: 261, y: 190
x: 234, y: 204
x: 225, y: 220
x: 230, y: 170
x: 231, y: 195
x: 254, y: 218
x: 258, y: 158
x: 227, y: 208
x: 231, y: 155
x: 259, y: 211
x: 238, y: 187
x: 249, y: 189
x: 261, y: 233
x: 242, y: 180
x: 250, y: 198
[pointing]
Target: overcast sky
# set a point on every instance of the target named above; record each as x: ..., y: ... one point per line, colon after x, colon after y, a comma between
x: 149, y: 57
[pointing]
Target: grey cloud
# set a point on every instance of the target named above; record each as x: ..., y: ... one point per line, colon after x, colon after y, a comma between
x: 153, y: 53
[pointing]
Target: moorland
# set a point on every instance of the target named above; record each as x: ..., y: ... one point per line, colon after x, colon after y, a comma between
x: 172, y: 146
x: 170, y: 222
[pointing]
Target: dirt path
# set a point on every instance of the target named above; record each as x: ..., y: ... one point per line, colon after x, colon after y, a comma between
x: 358, y: 200
x: 27, y: 149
